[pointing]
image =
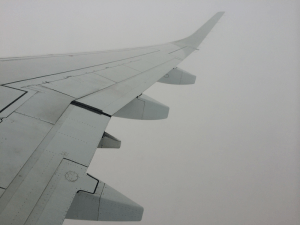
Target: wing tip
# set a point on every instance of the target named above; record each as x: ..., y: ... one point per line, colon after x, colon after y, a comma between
x: 197, y: 37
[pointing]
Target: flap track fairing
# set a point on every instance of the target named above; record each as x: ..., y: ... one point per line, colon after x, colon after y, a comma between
x: 178, y: 77
x: 143, y: 108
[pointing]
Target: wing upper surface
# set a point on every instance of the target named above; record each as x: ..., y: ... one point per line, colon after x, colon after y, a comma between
x: 57, y: 109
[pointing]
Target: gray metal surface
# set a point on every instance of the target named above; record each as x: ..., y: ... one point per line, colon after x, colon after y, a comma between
x: 79, y: 135
x: 68, y: 179
x: 141, y: 65
x: 109, y: 141
x: 45, y: 105
x: 55, y: 77
x: 153, y: 109
x: 139, y: 84
x: 15, y: 149
x: 85, y: 206
x: 1, y: 191
x: 57, y: 138
x: 113, y: 98
x: 183, y: 53
x: 17, y: 69
x: 16, y: 104
x: 196, y: 38
x: 8, y: 96
x: 106, y: 204
x: 117, y: 73
x: 178, y: 76
x: 80, y: 85
x: 114, y: 206
x: 167, y: 48
x: 78, y: 130
x: 133, y: 110
x: 143, y: 108
x: 30, y: 163
x: 157, y: 58
x: 64, y: 75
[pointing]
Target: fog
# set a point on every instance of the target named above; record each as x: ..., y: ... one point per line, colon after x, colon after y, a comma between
x: 229, y: 151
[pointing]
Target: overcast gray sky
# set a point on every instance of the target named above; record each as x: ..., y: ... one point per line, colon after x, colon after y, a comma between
x: 229, y: 151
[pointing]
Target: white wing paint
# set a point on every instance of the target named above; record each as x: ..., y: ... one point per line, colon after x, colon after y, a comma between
x: 54, y: 110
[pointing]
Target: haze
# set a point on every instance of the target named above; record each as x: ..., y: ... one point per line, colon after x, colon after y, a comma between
x: 229, y: 151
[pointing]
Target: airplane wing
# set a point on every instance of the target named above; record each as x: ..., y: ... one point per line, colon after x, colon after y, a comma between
x: 54, y: 110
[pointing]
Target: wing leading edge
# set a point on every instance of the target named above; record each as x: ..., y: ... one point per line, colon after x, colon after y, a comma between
x: 53, y: 114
